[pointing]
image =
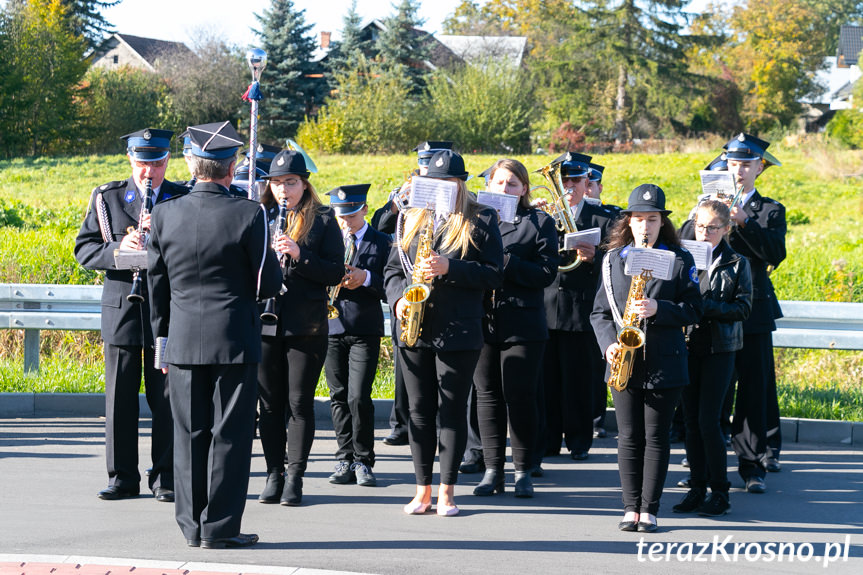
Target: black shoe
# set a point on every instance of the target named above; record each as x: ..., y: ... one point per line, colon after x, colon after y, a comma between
x: 292, y: 494
x: 599, y: 433
x: 771, y: 464
x: 685, y: 481
x: 193, y: 542
x: 365, y: 477
x: 273, y: 489
x: 536, y: 471
x: 472, y: 466
x: 727, y: 437
x: 756, y: 485
x: 164, y: 494
x: 492, y: 482
x: 578, y: 455
x: 715, y: 505
x: 241, y: 540
x: 690, y: 502
x: 396, y: 439
x: 343, y: 474
x: 112, y: 493
x: 647, y: 527
x: 628, y: 526
x: 523, y: 485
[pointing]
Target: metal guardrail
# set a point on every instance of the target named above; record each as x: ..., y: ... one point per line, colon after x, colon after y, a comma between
x: 34, y: 307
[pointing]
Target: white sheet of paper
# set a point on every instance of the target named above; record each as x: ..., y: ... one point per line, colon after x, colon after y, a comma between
x: 433, y: 194
x: 503, y: 203
x: 701, y: 252
x: 130, y: 259
x: 717, y: 183
x: 660, y: 262
x: 591, y: 236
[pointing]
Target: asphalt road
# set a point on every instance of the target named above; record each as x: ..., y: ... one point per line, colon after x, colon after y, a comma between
x: 51, y: 469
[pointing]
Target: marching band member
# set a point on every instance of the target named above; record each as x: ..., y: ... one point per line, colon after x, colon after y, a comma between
x: 571, y: 353
x: 646, y: 405
x: 759, y: 235
x: 464, y: 260
x: 295, y: 346
x: 507, y: 374
x: 112, y: 222
x: 355, y: 336
x: 727, y: 291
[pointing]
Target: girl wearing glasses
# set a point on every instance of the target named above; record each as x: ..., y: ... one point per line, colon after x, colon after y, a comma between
x: 726, y: 288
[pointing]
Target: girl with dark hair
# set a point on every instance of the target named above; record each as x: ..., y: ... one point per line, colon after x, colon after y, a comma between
x: 295, y: 346
x: 465, y: 261
x: 645, y: 407
x: 515, y: 331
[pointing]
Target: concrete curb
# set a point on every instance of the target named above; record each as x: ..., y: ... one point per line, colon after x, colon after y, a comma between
x: 16, y: 405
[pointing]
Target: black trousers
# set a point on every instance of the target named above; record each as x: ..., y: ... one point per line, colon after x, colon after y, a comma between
x: 438, y: 383
x: 473, y: 446
x: 754, y: 408
x: 506, y: 379
x: 123, y: 365
x: 400, y: 413
x: 643, y: 445
x: 703, y: 399
x: 287, y: 377
x: 569, y: 365
x: 214, y: 425
x: 350, y: 365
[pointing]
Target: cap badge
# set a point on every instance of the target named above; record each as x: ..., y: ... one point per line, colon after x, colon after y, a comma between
x: 260, y: 148
x: 741, y: 138
x: 646, y: 196
x: 147, y: 134
x: 568, y: 157
x: 281, y: 162
x: 427, y: 146
x: 342, y: 195
x: 439, y: 162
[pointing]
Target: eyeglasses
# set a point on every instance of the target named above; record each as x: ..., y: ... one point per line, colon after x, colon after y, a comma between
x: 708, y: 229
x: 288, y: 182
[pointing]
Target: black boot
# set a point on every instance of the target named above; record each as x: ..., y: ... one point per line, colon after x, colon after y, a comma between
x: 716, y: 504
x: 293, y: 492
x: 492, y: 482
x: 523, y: 484
x: 273, y: 489
x: 691, y: 501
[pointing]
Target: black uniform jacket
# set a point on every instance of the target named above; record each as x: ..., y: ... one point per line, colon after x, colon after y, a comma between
x: 210, y: 260
x: 453, y: 313
x: 662, y: 362
x: 530, y: 258
x: 360, y: 309
x: 123, y: 322
x: 302, y: 308
x: 384, y: 220
x: 727, y: 292
x: 569, y: 298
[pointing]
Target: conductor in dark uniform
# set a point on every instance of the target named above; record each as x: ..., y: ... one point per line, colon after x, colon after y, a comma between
x: 572, y: 356
x: 759, y: 235
x: 355, y: 333
x: 111, y: 223
x: 209, y: 263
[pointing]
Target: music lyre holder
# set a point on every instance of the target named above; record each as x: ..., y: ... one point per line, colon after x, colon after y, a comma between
x: 257, y: 60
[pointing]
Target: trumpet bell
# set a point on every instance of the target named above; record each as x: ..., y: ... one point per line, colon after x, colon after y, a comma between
x: 332, y: 312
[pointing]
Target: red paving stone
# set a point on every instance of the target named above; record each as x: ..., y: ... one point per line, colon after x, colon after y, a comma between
x: 77, y: 569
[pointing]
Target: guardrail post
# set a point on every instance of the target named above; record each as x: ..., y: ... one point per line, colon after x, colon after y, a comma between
x: 31, y: 351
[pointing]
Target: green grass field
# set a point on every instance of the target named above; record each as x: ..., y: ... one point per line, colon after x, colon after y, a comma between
x: 42, y: 202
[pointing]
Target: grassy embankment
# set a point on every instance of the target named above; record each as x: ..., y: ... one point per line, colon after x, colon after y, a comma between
x: 43, y: 200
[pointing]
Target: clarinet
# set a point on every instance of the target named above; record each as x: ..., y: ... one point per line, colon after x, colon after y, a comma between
x: 136, y: 295
x: 269, y: 315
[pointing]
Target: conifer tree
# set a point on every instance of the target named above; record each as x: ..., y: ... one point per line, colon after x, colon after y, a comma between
x: 346, y: 53
x: 403, y: 48
x: 290, y: 90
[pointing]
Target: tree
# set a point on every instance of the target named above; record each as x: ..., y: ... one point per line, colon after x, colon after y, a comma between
x: 291, y: 89
x: 87, y: 20
x: 346, y: 53
x: 403, y: 48
x: 43, y: 63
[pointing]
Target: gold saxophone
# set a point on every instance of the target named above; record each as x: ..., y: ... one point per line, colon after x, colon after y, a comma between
x: 630, y: 337
x: 350, y: 254
x: 417, y: 293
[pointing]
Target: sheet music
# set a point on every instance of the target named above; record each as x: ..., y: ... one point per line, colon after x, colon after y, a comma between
x: 717, y: 183
x: 130, y: 259
x: 433, y: 194
x: 660, y: 262
x: 505, y: 204
x: 702, y: 252
x: 590, y: 236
